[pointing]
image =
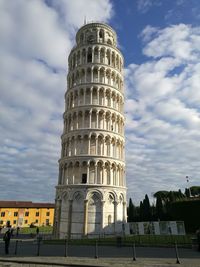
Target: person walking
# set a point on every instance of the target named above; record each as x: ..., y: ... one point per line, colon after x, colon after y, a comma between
x: 37, y: 231
x: 6, y: 239
x: 198, y: 238
x: 17, y: 230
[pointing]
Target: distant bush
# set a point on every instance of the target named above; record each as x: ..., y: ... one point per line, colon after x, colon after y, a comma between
x: 187, y: 211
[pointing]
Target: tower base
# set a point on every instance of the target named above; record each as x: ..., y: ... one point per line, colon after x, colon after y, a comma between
x: 90, y: 211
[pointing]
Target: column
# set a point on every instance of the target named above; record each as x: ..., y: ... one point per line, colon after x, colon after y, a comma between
x: 96, y: 145
x: 66, y: 174
x: 92, y: 55
x: 73, y: 99
x: 63, y: 150
x: 85, y: 217
x: 85, y: 75
x: 92, y: 75
x: 103, y: 148
x: 88, y: 145
x: 60, y: 175
x: 88, y: 173
x: 102, y: 214
x: 97, y: 120
x: 69, y: 219
x: 95, y: 173
x: 124, y: 211
x: 75, y: 145
x: 57, y: 218
x: 81, y: 145
x: 91, y: 90
x: 104, y: 97
x: 102, y: 174
x: 90, y: 119
x: 124, y: 180
x: 98, y: 78
x: 73, y: 174
x: 84, y: 96
x: 103, y: 119
x: 63, y: 175
x: 83, y: 118
x: 97, y: 35
x: 115, y: 214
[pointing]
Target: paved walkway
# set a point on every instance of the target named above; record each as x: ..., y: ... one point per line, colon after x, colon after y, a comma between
x: 104, y: 262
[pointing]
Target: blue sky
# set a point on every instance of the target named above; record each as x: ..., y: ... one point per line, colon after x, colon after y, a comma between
x: 160, y: 41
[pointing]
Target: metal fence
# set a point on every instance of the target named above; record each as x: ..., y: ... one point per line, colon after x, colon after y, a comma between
x: 118, y: 247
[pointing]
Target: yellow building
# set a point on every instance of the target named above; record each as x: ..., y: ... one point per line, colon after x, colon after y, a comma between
x: 25, y: 213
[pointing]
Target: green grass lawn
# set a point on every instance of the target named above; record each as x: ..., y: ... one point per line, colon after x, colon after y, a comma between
x: 142, y: 240
x: 42, y: 230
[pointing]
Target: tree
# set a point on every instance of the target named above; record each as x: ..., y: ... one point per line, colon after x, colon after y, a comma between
x: 146, y: 209
x: 159, y: 208
x: 195, y: 190
x: 187, y: 192
x: 141, y: 211
x: 162, y: 194
x: 130, y: 211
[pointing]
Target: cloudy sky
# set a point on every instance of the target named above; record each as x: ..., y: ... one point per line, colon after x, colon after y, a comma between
x: 160, y: 40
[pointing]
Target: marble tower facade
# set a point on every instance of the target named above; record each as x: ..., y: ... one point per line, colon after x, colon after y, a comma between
x: 91, y: 190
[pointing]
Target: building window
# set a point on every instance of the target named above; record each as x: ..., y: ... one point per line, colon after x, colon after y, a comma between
x: 26, y: 221
x: 36, y: 221
x: 47, y: 222
x: 37, y: 214
x: 1, y: 222
x: 26, y: 213
x: 3, y: 214
x: 14, y: 222
x: 15, y: 214
x: 48, y: 213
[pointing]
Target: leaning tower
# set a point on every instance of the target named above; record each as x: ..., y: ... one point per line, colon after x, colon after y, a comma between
x: 91, y: 190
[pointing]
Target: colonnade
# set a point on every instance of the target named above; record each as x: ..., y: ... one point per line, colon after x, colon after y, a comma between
x: 94, y: 96
x: 96, y: 54
x: 93, y: 119
x: 93, y: 144
x: 92, y: 172
x: 95, y: 74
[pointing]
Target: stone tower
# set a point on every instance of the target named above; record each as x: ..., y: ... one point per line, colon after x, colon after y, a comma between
x: 91, y: 191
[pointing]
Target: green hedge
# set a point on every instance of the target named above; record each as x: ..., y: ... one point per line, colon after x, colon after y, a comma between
x: 187, y: 211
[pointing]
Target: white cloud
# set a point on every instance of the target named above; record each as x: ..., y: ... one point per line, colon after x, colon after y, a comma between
x: 180, y: 41
x: 36, y: 37
x: 143, y: 6
x: 164, y: 121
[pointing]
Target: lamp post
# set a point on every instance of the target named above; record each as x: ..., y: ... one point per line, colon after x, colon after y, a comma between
x: 187, y: 179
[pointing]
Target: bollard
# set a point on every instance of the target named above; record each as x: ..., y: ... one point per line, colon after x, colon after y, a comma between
x: 38, y: 247
x: 177, y: 256
x: 66, y: 247
x: 134, y: 252
x: 16, y: 246
x: 96, y: 250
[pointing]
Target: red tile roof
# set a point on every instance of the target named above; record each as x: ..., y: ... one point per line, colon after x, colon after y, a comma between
x: 25, y: 204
